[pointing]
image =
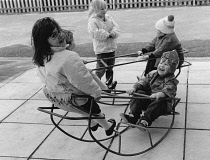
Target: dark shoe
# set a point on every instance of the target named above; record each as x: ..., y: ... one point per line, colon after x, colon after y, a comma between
x: 111, y: 129
x: 94, y: 128
x: 128, y: 118
x: 112, y: 85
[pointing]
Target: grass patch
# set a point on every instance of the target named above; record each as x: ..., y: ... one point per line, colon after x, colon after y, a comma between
x: 197, y: 48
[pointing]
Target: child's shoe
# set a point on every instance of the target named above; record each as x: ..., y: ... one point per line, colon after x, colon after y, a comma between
x: 111, y: 129
x: 110, y: 84
x: 128, y: 118
x: 94, y: 128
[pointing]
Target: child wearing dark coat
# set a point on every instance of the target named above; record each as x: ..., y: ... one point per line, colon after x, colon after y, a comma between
x: 157, y: 84
x: 165, y: 40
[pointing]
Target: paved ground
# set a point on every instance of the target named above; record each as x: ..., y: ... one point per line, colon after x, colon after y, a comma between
x: 26, y: 133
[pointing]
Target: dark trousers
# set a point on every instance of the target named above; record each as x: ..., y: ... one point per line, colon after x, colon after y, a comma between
x: 152, y: 109
x: 109, y: 62
x: 150, y: 66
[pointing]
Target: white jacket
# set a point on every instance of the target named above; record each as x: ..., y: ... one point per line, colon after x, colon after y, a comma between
x: 100, y: 30
x: 65, y: 74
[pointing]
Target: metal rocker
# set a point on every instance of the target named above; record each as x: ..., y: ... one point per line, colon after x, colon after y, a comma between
x: 114, y: 143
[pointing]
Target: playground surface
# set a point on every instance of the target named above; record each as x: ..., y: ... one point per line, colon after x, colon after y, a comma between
x: 26, y: 133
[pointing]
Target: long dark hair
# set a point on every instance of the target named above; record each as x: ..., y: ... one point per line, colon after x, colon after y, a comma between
x: 41, y: 31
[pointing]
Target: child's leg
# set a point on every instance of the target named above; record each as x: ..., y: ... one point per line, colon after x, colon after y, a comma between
x: 96, y: 112
x: 150, y: 66
x: 154, y: 110
x: 110, y: 62
x: 137, y: 105
x: 100, y: 72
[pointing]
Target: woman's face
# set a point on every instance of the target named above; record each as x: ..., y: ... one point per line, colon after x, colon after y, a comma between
x: 57, y: 39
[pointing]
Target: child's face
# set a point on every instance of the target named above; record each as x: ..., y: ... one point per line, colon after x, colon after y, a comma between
x: 57, y: 39
x: 163, y: 67
x: 102, y: 11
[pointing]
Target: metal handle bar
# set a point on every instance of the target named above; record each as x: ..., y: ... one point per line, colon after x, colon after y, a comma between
x: 113, y: 57
x: 135, y: 96
x: 122, y: 64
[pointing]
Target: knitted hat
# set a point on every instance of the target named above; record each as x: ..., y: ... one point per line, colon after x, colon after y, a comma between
x: 173, y: 59
x: 166, y: 24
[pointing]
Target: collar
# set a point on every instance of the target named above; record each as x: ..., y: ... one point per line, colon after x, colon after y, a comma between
x: 165, y: 79
x: 59, y: 49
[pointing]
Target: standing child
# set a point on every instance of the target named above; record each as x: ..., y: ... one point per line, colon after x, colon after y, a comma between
x: 158, y: 84
x: 104, y: 32
x: 65, y: 75
x: 166, y: 40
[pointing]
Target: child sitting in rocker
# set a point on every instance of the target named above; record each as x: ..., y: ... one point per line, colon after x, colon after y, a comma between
x: 65, y: 76
x: 157, y: 84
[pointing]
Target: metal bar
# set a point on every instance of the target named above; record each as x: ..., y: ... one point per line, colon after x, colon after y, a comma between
x: 126, y: 55
x: 121, y: 64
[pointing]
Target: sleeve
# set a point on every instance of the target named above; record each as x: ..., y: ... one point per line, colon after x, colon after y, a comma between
x: 143, y: 83
x: 179, y: 50
x: 79, y: 76
x: 164, y: 46
x: 95, y: 32
x: 170, y: 88
x: 115, y: 29
x: 151, y: 45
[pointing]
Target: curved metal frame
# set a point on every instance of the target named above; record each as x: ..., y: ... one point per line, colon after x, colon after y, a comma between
x: 176, y: 101
x: 51, y: 113
x: 117, y: 133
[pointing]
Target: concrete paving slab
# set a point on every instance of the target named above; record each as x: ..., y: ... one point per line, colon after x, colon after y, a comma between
x: 59, y: 146
x: 164, y: 151
x: 198, y: 116
x: 28, y: 113
x: 21, y: 140
x: 197, y: 144
x: 19, y: 90
x: 28, y: 77
x: 198, y: 94
x: 199, y: 77
x: 8, y: 106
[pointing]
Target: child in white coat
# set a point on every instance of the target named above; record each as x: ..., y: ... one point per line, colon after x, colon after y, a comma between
x: 64, y: 74
x: 104, y: 32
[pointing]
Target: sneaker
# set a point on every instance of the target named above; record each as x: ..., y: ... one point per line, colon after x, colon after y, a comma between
x: 128, y: 119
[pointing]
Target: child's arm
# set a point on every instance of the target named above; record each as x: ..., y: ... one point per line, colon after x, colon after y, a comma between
x: 115, y: 32
x: 141, y: 84
x: 79, y: 76
x: 96, y: 33
x: 169, y: 90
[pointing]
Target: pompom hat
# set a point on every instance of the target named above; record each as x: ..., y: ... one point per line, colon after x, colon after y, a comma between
x: 166, y: 24
x: 172, y: 58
